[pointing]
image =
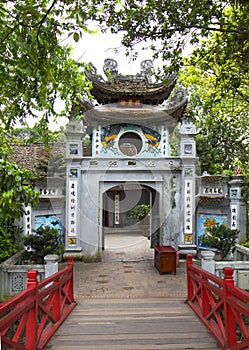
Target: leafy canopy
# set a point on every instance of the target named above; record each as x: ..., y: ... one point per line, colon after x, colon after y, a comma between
x: 36, y: 67
x: 178, y: 23
x: 221, y: 120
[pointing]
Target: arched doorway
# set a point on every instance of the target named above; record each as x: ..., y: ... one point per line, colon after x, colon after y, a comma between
x: 119, y: 221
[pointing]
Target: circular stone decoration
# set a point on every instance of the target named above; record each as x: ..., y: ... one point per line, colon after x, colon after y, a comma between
x: 130, y: 144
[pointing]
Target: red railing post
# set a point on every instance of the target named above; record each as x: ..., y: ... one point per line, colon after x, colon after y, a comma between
x: 190, y: 286
x: 71, y: 285
x: 57, y: 301
x: 229, y: 319
x: 32, y: 326
x: 204, y: 297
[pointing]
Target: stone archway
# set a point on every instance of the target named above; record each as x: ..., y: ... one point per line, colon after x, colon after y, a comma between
x: 118, y: 201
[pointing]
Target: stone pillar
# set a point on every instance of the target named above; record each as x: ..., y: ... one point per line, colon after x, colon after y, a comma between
x: 207, y: 261
x: 75, y: 131
x: 238, y: 206
x: 187, y: 152
x: 51, y: 264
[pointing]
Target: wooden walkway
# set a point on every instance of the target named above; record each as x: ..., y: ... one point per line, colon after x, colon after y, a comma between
x: 132, y: 323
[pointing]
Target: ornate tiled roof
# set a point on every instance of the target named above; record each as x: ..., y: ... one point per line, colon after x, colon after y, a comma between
x: 132, y: 98
x: 125, y: 86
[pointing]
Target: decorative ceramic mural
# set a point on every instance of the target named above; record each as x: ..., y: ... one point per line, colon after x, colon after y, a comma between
x: 108, y: 136
x: 153, y: 140
x: 130, y: 140
x: 205, y: 221
x: 48, y: 220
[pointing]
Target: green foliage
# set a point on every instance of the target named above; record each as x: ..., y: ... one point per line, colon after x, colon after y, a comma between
x: 87, y: 140
x: 217, y: 79
x: 246, y: 244
x: 16, y: 192
x: 36, y: 67
x: 220, y: 237
x: 44, y: 240
x: 15, y: 188
x: 7, y: 245
x: 220, y: 117
x: 27, y: 135
x: 10, y: 238
x: 169, y: 26
x: 140, y: 211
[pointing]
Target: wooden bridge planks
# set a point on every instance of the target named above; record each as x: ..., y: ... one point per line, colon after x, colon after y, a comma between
x: 127, y: 324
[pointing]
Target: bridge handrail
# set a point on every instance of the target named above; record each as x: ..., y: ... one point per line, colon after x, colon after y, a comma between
x: 29, y: 319
x: 222, y: 307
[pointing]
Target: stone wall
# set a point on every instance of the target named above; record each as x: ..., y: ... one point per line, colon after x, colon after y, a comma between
x: 13, y: 275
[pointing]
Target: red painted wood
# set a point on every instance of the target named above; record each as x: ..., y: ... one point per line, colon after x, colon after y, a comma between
x: 32, y: 321
x: 71, y: 281
x: 205, y: 298
x: 37, y: 312
x: 221, y: 306
x: 57, y: 302
x: 189, y: 280
x: 230, y: 321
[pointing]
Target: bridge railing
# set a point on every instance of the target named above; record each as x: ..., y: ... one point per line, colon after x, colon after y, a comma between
x: 29, y: 319
x: 221, y: 306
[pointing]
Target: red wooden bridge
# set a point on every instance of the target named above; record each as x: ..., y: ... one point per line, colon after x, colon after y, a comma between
x: 30, y: 319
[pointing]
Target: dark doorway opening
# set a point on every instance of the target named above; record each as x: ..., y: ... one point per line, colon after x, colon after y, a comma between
x: 117, y: 219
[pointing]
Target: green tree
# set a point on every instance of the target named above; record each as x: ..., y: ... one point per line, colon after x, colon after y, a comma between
x: 36, y: 67
x: 7, y: 245
x: 140, y: 211
x: 216, y: 72
x: 221, y: 119
x: 16, y: 187
x: 16, y: 192
x: 220, y: 237
x: 217, y: 78
x: 168, y: 26
x: 44, y: 241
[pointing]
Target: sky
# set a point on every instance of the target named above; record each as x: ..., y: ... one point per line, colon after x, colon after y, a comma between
x: 95, y: 48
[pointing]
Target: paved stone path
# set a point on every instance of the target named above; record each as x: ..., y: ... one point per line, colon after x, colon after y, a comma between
x: 127, y: 270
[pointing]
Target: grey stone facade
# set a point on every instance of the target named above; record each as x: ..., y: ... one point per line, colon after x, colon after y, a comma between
x: 127, y: 162
x: 168, y: 180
